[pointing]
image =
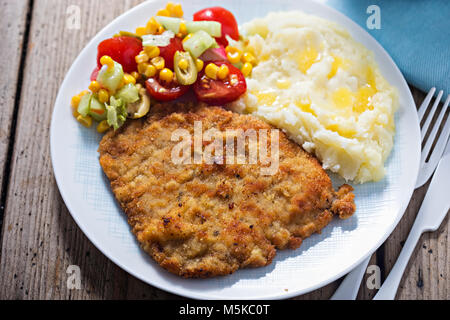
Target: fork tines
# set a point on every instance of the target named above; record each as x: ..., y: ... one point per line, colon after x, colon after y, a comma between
x: 430, y: 156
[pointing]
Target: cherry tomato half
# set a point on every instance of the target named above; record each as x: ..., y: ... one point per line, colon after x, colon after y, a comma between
x: 219, y: 92
x: 168, y: 51
x: 94, y: 73
x: 121, y: 49
x: 164, y: 92
x: 225, y: 17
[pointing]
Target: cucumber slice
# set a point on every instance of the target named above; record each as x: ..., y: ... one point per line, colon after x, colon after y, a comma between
x: 84, y: 105
x: 213, y: 28
x: 111, y: 79
x: 112, y: 117
x: 199, y: 43
x: 172, y: 24
x: 128, y: 94
x: 116, y: 113
x: 97, y: 110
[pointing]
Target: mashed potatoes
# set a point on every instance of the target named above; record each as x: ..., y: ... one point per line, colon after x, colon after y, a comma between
x: 324, y: 89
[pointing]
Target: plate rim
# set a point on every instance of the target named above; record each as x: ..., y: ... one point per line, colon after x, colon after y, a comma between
x: 182, y: 291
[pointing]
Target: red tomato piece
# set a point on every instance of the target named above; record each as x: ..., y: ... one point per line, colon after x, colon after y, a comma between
x: 94, y: 73
x: 122, y: 49
x: 225, y: 17
x: 219, y: 92
x: 164, y: 92
x: 168, y: 52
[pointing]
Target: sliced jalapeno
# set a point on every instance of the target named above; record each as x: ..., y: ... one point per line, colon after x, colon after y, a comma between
x: 129, y: 34
x: 187, y: 72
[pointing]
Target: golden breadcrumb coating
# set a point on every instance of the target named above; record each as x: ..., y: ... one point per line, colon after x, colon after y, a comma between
x: 204, y: 220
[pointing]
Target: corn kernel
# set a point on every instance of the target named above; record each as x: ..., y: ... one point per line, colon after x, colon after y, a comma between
x: 135, y: 75
x: 142, y: 67
x: 175, y: 10
x: 234, y: 56
x: 158, y: 62
x: 247, y: 69
x: 150, y: 71
x: 142, y: 57
x: 75, y: 101
x: 232, y: 49
x: 170, y: 6
x: 75, y: 113
x: 223, y: 72
x: 166, y: 75
x: 152, y: 26
x: 85, y: 121
x: 163, y: 12
x: 152, y: 51
x: 211, y: 71
x: 108, y: 61
x: 178, y: 11
x: 199, y: 63
x: 103, y: 126
x: 183, y: 29
x: 94, y: 86
x: 103, y: 95
x: 183, y: 64
x: 248, y: 57
x: 160, y: 30
x: 128, y: 78
x: 141, y: 31
x: 188, y: 37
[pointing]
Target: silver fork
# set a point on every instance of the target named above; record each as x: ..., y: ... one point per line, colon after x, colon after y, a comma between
x: 349, y: 287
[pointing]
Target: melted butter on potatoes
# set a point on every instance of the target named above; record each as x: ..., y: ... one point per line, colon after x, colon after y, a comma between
x: 324, y: 89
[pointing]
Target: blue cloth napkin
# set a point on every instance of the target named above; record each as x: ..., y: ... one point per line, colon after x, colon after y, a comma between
x: 416, y: 33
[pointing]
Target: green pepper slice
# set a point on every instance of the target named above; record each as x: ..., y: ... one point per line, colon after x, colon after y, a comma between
x: 188, y: 75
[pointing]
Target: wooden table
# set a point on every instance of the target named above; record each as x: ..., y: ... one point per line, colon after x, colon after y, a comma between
x: 40, y: 239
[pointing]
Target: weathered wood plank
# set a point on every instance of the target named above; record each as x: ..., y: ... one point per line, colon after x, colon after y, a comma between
x: 12, y: 23
x: 364, y: 292
x: 323, y: 293
x: 40, y: 239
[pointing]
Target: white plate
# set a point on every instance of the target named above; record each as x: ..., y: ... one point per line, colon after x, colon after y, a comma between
x: 320, y: 260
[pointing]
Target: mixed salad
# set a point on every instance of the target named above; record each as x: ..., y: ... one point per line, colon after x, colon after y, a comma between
x: 163, y: 61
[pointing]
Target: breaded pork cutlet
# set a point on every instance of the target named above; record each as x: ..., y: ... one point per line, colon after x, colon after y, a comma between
x: 204, y: 220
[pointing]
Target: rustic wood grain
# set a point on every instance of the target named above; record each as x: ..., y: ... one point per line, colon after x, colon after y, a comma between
x: 364, y: 292
x: 323, y: 293
x: 40, y: 239
x: 12, y: 23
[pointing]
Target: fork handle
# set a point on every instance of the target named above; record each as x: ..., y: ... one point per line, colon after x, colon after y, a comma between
x: 349, y: 287
x: 389, y: 288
